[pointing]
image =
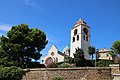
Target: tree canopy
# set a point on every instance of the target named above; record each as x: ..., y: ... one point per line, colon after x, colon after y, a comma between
x: 116, y: 47
x: 23, y: 44
x: 91, y: 50
x: 79, y: 58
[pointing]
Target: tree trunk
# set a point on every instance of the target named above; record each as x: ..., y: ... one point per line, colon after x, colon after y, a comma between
x: 92, y: 56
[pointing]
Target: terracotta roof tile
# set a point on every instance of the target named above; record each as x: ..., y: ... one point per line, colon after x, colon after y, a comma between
x: 80, y: 21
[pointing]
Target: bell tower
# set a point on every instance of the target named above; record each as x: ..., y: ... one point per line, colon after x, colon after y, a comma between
x: 80, y: 38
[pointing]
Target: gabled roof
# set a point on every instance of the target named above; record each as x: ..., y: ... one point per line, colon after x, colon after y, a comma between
x: 53, y: 46
x: 60, y: 53
x: 103, y: 50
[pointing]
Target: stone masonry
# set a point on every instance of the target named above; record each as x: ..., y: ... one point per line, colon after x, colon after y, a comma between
x: 82, y: 73
x: 115, y: 71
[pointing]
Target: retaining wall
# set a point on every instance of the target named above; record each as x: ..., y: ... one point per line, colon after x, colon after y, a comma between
x: 115, y: 71
x: 83, y: 73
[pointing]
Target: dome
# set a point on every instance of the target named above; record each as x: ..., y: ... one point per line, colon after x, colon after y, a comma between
x: 66, y: 49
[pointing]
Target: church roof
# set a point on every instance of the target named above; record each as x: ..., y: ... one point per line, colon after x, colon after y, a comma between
x: 103, y: 50
x: 80, y: 21
x: 61, y: 53
x: 53, y: 46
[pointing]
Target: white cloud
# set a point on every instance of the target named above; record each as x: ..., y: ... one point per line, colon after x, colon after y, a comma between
x: 1, y: 34
x: 31, y: 3
x: 5, y: 27
x: 52, y: 39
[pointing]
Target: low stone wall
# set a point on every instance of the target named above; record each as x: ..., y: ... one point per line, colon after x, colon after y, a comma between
x: 115, y: 71
x: 83, y: 73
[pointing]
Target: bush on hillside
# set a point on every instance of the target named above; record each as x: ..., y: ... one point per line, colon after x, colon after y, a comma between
x: 36, y: 65
x: 104, y: 63
x: 65, y: 65
x: 11, y: 73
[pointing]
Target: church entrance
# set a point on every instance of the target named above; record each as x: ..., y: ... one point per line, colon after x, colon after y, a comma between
x: 49, y: 61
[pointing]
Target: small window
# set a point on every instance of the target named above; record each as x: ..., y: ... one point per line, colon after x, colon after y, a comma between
x: 86, y: 38
x: 107, y: 54
x: 83, y: 37
x: 73, y: 39
x: 77, y: 37
x: 52, y: 54
x: 75, y: 32
x: 99, y: 55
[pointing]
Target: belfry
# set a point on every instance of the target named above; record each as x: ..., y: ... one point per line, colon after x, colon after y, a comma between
x: 80, y: 38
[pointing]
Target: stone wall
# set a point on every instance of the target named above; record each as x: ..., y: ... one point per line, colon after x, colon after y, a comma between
x: 84, y: 73
x: 115, y: 71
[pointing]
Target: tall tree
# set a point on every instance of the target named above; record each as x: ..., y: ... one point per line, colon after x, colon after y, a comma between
x: 116, y: 47
x: 23, y: 44
x: 79, y: 59
x: 91, y: 50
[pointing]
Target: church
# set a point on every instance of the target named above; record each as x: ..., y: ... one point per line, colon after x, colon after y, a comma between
x: 80, y: 38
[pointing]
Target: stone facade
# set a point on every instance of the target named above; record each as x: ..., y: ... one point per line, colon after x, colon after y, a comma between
x: 115, y: 71
x: 84, y: 73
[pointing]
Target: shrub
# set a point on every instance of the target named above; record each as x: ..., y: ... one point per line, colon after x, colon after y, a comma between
x: 69, y: 60
x: 57, y: 78
x: 59, y: 63
x: 7, y: 63
x: 36, y: 65
x: 11, y: 73
x: 91, y: 63
x: 65, y: 65
x: 104, y: 63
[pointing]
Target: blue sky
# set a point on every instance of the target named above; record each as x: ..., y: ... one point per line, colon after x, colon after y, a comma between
x: 57, y: 17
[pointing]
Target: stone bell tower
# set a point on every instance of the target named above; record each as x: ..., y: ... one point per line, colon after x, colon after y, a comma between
x: 80, y: 38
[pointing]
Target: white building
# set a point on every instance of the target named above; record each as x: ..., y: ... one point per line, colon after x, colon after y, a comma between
x: 80, y: 38
x: 54, y: 55
x: 105, y: 54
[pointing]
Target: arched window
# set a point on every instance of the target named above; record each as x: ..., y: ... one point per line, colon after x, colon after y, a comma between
x: 85, y: 30
x: 77, y: 37
x: 73, y: 39
x: 86, y: 38
x: 75, y: 32
x: 83, y: 37
x: 48, y: 61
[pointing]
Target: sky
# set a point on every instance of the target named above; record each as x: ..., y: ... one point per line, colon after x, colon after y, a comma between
x: 57, y: 17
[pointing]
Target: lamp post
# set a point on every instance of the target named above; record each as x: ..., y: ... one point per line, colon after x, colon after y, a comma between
x: 96, y: 51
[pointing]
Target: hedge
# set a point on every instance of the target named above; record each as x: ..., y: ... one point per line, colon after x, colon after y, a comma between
x: 11, y: 73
